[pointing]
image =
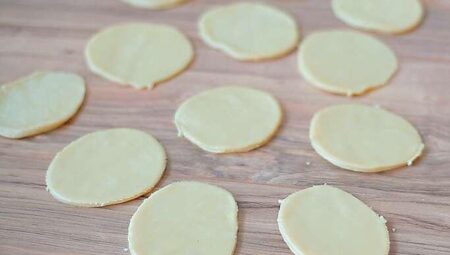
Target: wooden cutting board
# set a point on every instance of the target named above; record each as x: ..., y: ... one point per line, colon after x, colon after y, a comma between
x: 51, y: 34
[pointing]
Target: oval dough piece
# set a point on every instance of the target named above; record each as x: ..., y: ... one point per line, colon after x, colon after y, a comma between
x: 229, y: 119
x: 323, y: 220
x: 345, y: 62
x: 380, y: 15
x: 249, y: 31
x: 138, y: 54
x: 364, y: 138
x: 185, y: 218
x: 39, y: 102
x: 106, y: 167
x: 154, y: 4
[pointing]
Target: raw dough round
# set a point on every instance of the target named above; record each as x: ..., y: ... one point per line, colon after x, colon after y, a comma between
x: 249, y: 31
x: 154, y: 4
x: 106, y: 167
x: 185, y: 218
x: 139, y: 54
x: 323, y: 220
x: 380, y: 15
x: 346, y: 62
x: 39, y: 102
x: 229, y: 119
x: 364, y: 138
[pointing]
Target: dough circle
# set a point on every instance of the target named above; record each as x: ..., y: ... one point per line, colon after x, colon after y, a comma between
x: 185, y: 218
x: 249, y: 31
x: 324, y: 220
x: 229, y: 119
x: 380, y: 15
x: 345, y: 62
x: 364, y: 138
x: 154, y: 4
x: 106, y: 167
x: 39, y: 102
x: 138, y: 54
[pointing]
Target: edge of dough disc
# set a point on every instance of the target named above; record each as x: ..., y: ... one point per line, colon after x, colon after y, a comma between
x: 236, y: 55
x: 162, y: 6
x: 147, y: 190
x: 45, y: 127
x: 175, y: 183
x: 352, y: 22
x: 112, y: 78
x: 182, y: 133
x: 356, y: 167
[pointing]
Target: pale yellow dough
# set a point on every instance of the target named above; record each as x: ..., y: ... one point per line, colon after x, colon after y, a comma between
x: 323, y: 220
x: 229, y: 119
x: 345, y: 62
x: 388, y: 16
x: 39, y: 102
x: 249, y: 31
x: 139, y: 54
x: 154, y: 4
x: 185, y: 218
x: 106, y: 167
x: 364, y: 138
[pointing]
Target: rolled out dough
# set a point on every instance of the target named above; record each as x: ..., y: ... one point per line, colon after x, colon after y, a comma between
x: 138, y: 54
x: 185, y: 218
x: 345, y: 62
x: 229, y: 119
x: 380, y: 15
x: 364, y: 138
x: 106, y: 167
x: 323, y: 220
x: 249, y: 31
x: 39, y: 102
x: 154, y: 4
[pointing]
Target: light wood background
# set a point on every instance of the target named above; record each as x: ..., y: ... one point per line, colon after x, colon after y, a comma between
x: 51, y: 34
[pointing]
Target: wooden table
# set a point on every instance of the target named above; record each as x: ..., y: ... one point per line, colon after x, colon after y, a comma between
x: 51, y: 34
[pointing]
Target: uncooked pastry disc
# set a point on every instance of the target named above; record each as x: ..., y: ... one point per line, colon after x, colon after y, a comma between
x: 185, y: 218
x: 106, y: 167
x: 323, y: 220
x: 39, y: 102
x: 364, y: 138
x: 154, y: 4
x: 138, y: 54
x: 345, y: 62
x: 386, y: 16
x: 249, y: 31
x: 229, y: 119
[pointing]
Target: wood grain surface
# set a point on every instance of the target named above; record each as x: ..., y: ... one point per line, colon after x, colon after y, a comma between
x: 51, y: 34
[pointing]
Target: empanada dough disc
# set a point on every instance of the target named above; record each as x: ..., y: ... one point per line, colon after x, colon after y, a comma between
x: 154, y: 4
x: 185, y: 218
x: 249, y: 31
x: 138, y: 54
x: 106, y: 167
x: 229, y: 119
x: 323, y: 220
x: 345, y: 62
x: 364, y: 138
x: 39, y: 102
x: 380, y: 15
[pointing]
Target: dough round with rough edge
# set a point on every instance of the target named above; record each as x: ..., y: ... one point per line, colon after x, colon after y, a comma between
x: 229, y: 119
x: 345, y: 62
x: 364, y: 138
x: 324, y: 220
x: 139, y: 54
x: 384, y: 16
x: 39, y: 103
x: 185, y: 218
x: 249, y: 31
x: 106, y: 167
x: 154, y: 4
